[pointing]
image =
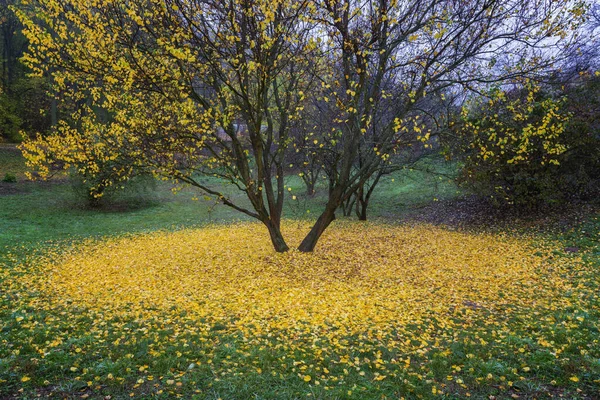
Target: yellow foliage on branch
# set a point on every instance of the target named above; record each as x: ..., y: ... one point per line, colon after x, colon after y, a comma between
x: 509, y: 130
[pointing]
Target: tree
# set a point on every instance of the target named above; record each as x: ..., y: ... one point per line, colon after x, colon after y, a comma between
x: 198, y: 87
x: 21, y: 97
x: 308, y: 136
x: 12, y: 44
x: 402, y: 51
x: 193, y: 88
x: 416, y: 140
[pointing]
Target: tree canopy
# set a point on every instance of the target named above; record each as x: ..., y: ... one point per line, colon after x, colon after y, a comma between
x: 188, y: 88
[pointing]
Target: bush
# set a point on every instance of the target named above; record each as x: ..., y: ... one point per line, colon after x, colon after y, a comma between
x: 97, y: 192
x: 99, y: 172
x: 9, y: 178
x: 528, y: 147
x: 580, y: 164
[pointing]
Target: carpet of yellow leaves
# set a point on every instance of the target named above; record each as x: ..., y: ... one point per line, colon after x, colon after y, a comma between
x: 369, y: 288
x: 361, y: 277
x: 371, y: 277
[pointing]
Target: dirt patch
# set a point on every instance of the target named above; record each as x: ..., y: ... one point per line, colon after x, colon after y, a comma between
x: 26, y: 186
x: 8, y: 189
x: 472, y: 212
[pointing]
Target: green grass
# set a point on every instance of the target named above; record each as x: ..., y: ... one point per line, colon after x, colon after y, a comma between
x: 429, y: 180
x: 53, y: 211
x: 39, y: 217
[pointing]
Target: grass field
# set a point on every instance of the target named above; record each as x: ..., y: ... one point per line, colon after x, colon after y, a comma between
x: 167, y: 297
x: 41, y: 212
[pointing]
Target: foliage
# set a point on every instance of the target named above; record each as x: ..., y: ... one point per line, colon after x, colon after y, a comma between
x: 579, y: 172
x: 29, y: 95
x: 215, y: 88
x: 23, y: 110
x: 22, y: 98
x: 528, y: 147
x: 10, y: 123
x: 9, y: 178
x: 135, y: 190
x: 443, y: 314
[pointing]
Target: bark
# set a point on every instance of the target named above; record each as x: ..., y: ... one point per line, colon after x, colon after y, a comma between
x: 362, y: 202
x: 310, y: 188
x: 310, y: 178
x: 310, y: 241
x: 54, y: 110
x: 348, y: 205
x: 277, y: 239
x: 361, y: 210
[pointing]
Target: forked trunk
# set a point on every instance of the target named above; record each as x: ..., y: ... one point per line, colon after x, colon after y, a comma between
x: 348, y: 205
x: 276, y: 237
x: 361, y: 210
x: 310, y: 241
x: 361, y: 204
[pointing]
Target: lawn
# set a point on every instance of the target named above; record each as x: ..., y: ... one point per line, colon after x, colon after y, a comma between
x: 169, y: 296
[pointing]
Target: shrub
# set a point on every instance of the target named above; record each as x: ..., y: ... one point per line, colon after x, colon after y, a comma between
x: 528, y: 147
x: 98, y: 191
x: 9, y: 178
x: 99, y: 171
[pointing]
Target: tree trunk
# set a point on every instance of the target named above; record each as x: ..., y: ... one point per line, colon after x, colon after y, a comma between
x: 53, y: 110
x: 348, y: 205
x: 310, y: 241
x: 310, y: 188
x: 276, y: 237
x: 361, y: 210
x: 362, y: 203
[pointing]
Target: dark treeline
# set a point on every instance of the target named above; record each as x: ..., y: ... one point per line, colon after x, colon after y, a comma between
x: 25, y: 107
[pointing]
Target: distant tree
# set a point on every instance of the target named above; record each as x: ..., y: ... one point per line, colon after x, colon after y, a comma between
x: 11, y: 49
x: 22, y: 98
x: 13, y: 44
x: 416, y: 140
x: 308, y: 155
